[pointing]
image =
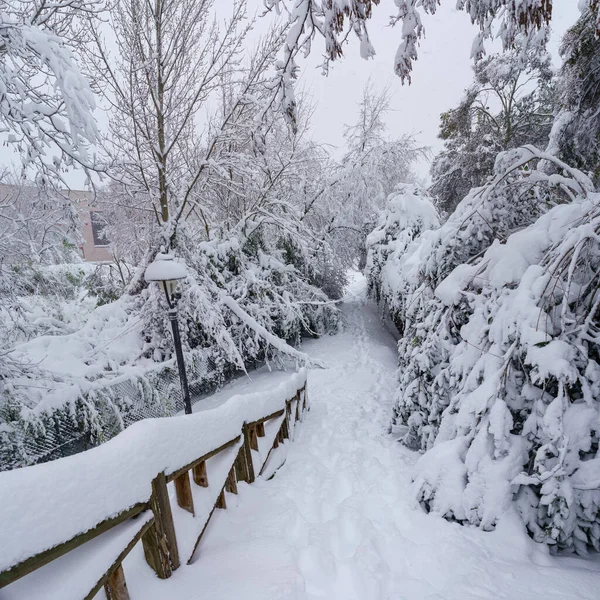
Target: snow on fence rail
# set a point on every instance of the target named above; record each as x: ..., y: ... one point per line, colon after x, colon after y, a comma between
x: 68, y: 525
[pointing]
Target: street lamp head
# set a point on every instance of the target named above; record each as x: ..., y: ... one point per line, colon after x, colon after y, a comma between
x: 167, y: 272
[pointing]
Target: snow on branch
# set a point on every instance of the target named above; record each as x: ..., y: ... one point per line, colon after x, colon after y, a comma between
x: 46, y: 103
x: 271, y: 339
x: 334, y: 21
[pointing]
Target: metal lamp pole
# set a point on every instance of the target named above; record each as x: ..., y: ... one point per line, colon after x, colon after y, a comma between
x: 167, y: 272
x: 179, y: 354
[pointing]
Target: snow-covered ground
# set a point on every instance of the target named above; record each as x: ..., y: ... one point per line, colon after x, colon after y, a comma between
x: 337, y: 521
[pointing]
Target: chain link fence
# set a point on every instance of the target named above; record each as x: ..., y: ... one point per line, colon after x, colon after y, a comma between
x: 107, y: 409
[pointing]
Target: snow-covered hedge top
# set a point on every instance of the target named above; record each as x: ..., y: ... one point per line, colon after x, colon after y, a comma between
x: 48, y: 504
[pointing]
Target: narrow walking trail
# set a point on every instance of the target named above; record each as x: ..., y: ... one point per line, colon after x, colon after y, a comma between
x: 337, y: 521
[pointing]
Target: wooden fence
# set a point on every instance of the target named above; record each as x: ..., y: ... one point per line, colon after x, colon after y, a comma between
x: 98, y: 552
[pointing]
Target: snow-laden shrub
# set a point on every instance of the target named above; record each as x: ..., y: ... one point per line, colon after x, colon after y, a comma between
x: 40, y: 300
x: 524, y: 419
x: 409, y: 211
x: 499, y: 364
x: 510, y: 103
x: 263, y: 277
x: 106, y: 282
x: 514, y: 199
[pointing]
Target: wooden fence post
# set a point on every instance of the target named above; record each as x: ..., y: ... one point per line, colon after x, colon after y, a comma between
x: 253, y: 437
x: 115, y: 587
x: 260, y: 429
x: 221, y: 503
x: 231, y: 483
x: 199, y: 473
x: 280, y: 436
x: 183, y: 491
x: 248, y: 455
x: 241, y: 469
x: 285, y: 429
x: 159, y: 541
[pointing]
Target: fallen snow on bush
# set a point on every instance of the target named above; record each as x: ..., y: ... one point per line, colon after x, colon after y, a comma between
x: 499, y: 365
x: 77, y: 374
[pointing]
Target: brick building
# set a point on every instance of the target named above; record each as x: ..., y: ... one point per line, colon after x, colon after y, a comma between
x: 95, y: 246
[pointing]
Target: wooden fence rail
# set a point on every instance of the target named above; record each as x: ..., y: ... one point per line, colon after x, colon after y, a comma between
x: 98, y: 553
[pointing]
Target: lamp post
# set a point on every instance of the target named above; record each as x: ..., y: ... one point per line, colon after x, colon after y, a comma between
x: 167, y: 272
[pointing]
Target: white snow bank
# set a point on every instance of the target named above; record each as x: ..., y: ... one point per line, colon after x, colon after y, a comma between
x: 44, y: 505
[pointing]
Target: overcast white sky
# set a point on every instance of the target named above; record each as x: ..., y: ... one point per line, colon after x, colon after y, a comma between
x: 440, y: 76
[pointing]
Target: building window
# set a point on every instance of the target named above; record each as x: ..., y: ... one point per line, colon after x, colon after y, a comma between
x: 99, y: 228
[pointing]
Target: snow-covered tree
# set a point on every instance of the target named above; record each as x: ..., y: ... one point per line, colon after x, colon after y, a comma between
x: 576, y: 133
x: 170, y: 59
x: 510, y: 104
x: 38, y: 232
x: 373, y: 165
x: 520, y: 419
x: 46, y: 107
x: 408, y: 212
x: 37, y: 225
x: 379, y: 162
x: 512, y: 200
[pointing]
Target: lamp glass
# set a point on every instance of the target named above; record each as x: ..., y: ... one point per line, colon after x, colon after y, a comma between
x: 169, y: 286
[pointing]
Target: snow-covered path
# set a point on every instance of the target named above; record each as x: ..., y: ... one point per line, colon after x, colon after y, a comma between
x: 337, y: 521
